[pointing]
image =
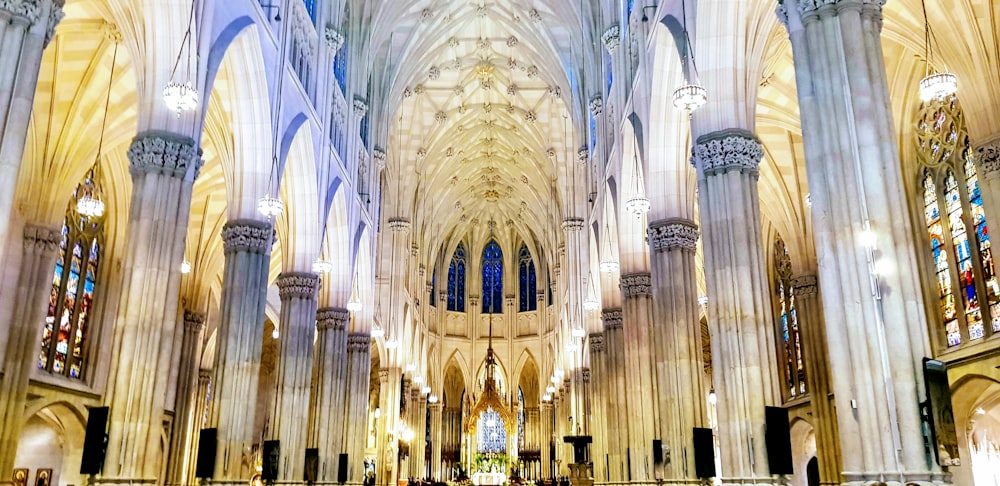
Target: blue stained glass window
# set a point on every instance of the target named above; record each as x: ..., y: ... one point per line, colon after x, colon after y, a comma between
x: 456, y: 280
x: 935, y: 232
x: 434, y: 287
x: 983, y: 239
x: 520, y: 418
x: 492, y: 433
x: 340, y: 69
x: 311, y: 8
x: 788, y: 323
x: 492, y: 278
x: 528, y: 287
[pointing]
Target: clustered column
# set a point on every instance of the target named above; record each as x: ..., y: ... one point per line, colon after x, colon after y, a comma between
x: 247, y: 245
x: 34, y: 281
x: 739, y: 309
x: 436, y: 437
x: 163, y: 166
x: 359, y: 363
x: 546, y: 409
x: 640, y: 389
x: 677, y: 346
x: 387, y: 440
x: 598, y: 405
x: 185, y: 426
x: 330, y: 382
x: 295, y: 365
x: 617, y: 410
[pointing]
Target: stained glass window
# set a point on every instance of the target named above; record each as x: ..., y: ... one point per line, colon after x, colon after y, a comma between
x: 528, y: 287
x: 434, y: 287
x: 492, y: 278
x: 794, y: 371
x: 456, y: 280
x: 74, y: 281
x: 520, y: 419
x: 961, y: 250
x: 492, y: 433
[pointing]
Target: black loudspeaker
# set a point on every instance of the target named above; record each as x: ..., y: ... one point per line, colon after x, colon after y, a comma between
x: 207, y: 444
x: 95, y: 442
x: 342, y: 469
x: 778, y: 440
x: 657, y: 452
x: 272, y: 456
x: 704, y: 453
x: 938, y: 413
x: 312, y: 465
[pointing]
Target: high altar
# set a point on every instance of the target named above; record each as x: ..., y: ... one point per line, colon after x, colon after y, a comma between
x: 492, y: 427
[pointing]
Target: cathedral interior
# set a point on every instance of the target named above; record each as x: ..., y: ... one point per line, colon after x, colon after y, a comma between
x: 499, y: 242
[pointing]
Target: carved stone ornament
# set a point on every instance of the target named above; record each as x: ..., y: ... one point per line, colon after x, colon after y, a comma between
x: 989, y: 159
x: 41, y: 239
x: 805, y: 284
x: 399, y: 224
x: 379, y: 155
x: 194, y: 322
x: 26, y: 9
x: 612, y: 318
x: 358, y: 343
x: 596, y: 105
x: 334, y: 39
x: 813, y: 7
x: 297, y: 285
x: 677, y: 234
x: 636, y: 284
x: 572, y: 224
x: 473, y: 300
x: 534, y: 15
x: 596, y: 342
x: 724, y: 150
x: 583, y: 155
x: 164, y: 153
x: 383, y: 375
x: 247, y: 235
x: 585, y: 374
x: 332, y: 318
x: 56, y: 15
x: 360, y: 107
x: 611, y: 38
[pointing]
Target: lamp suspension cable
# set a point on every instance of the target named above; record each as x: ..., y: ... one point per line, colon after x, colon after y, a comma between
x: 90, y: 203
x: 182, y: 97
x: 692, y: 95
x: 934, y: 85
x: 271, y: 205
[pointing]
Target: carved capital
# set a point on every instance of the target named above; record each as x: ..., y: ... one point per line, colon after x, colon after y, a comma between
x: 360, y: 107
x: 359, y: 343
x: 725, y: 150
x: 596, y: 342
x: 583, y: 155
x: 399, y: 224
x: 572, y: 224
x: 333, y: 318
x: 334, y: 39
x: 636, y: 284
x: 41, y: 239
x: 612, y: 318
x: 379, y: 155
x: 611, y: 38
x: 297, y: 285
x: 989, y: 158
x: 817, y: 8
x: 805, y: 284
x: 194, y: 322
x: 247, y: 235
x: 585, y: 374
x: 672, y: 234
x: 473, y: 300
x: 27, y: 10
x: 56, y: 15
x: 167, y: 153
x: 383, y: 375
x: 596, y: 105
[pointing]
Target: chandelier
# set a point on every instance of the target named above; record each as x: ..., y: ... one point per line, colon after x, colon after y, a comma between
x: 185, y: 267
x: 322, y: 266
x: 270, y: 206
x: 90, y: 206
x: 637, y: 205
x: 690, y: 97
x: 935, y: 85
x: 182, y: 97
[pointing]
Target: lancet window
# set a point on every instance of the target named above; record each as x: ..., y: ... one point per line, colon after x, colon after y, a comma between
x: 968, y: 292
x: 74, y: 283
x: 492, y: 278
x: 456, y: 280
x: 528, y: 286
x: 790, y: 341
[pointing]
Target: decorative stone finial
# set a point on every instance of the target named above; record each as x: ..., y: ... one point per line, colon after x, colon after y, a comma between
x: 666, y: 235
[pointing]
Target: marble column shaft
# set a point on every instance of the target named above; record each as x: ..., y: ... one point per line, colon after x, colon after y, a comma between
x: 295, y: 366
x: 26, y: 27
x: 677, y: 345
x: 247, y: 245
x: 809, y: 312
x: 34, y: 284
x: 599, y: 391
x: 163, y: 166
x: 199, y: 414
x: 875, y: 324
x: 436, y: 437
x: 637, y: 318
x: 387, y: 469
x: 330, y: 382
x: 546, y: 411
x: 358, y: 374
x: 739, y: 309
x: 616, y: 406
x: 186, y: 426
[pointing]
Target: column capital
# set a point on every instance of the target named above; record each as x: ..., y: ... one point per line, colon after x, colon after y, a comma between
x: 360, y: 106
x: 673, y: 234
x: 585, y: 374
x: 334, y: 39
x: 194, y: 321
x: 40, y: 238
x: 167, y: 153
x: 359, y: 343
x: 545, y: 407
x: 297, y: 285
x: 333, y: 318
x: 725, y: 150
x: 383, y: 375
x: 805, y: 284
x: 611, y: 38
x: 612, y: 318
x: 989, y: 158
x: 435, y: 407
x: 27, y: 10
x: 247, y: 235
x: 820, y: 7
x: 399, y: 224
x: 596, y: 341
x: 473, y: 299
x: 204, y: 374
x: 572, y: 224
x: 596, y: 105
x: 636, y: 284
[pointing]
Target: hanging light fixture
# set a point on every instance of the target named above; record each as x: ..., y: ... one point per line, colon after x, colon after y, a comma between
x: 637, y: 204
x: 270, y: 206
x: 377, y: 331
x: 354, y: 305
x: 182, y: 97
x: 432, y: 399
x: 185, y: 267
x: 691, y: 96
x: 546, y: 397
x: 391, y: 344
x: 89, y: 204
x: 425, y: 390
x: 579, y: 332
x: 322, y: 266
x: 608, y: 263
x: 590, y: 302
x: 935, y: 85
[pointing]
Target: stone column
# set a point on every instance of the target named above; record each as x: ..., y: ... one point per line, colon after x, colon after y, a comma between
x: 616, y: 406
x: 186, y: 427
x: 359, y: 363
x: 26, y: 27
x: 809, y: 311
x: 420, y: 436
x: 163, y: 166
x: 598, y: 402
x: 637, y: 310
x: 988, y: 156
x: 677, y: 346
x: 330, y: 382
x: 436, y: 438
x: 875, y: 321
x: 247, y: 245
x: 546, y: 439
x: 294, y: 373
x: 387, y: 468
x: 34, y: 284
x: 199, y: 415
x: 739, y: 310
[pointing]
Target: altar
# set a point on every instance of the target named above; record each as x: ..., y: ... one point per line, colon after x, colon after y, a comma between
x: 488, y: 478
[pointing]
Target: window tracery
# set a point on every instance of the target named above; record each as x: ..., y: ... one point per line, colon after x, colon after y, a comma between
x: 456, y: 280
x: 74, y: 281
x: 528, y: 286
x: 794, y: 372
x: 492, y: 278
x: 966, y: 283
